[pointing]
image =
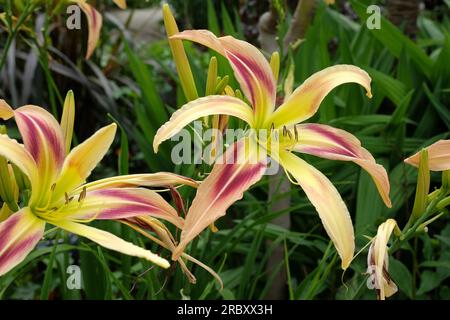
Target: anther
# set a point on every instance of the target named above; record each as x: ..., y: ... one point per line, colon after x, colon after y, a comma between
x: 272, y: 127
x: 53, y: 187
x: 285, y: 131
x: 67, y: 198
x: 82, y: 195
x: 296, y: 133
x: 289, y: 134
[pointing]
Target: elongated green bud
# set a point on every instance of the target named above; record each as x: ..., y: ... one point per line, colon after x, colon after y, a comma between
x: 67, y: 119
x: 22, y: 181
x: 212, y: 77
x: 179, y: 56
x: 275, y: 64
x: 6, y: 181
x: 211, y: 83
x: 239, y: 94
x: 222, y: 84
x: 423, y: 187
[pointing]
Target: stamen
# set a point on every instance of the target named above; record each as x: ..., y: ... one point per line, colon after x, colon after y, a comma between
x: 289, y: 134
x: 285, y: 130
x: 67, y: 198
x: 296, y: 133
x: 272, y: 127
x: 82, y: 195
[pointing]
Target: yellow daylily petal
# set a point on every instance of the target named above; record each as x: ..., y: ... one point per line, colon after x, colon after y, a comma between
x: 200, y: 108
x: 239, y: 169
x: 18, y: 155
x: 19, y: 234
x: 378, y: 261
x: 155, y: 180
x: 438, y: 156
x: 6, y: 112
x: 328, y: 203
x: 83, y: 159
x: 120, y: 203
x: 304, y: 102
x: 67, y: 119
x: 95, y: 21
x: 336, y: 144
x: 122, y: 4
x: 112, y: 242
x: 251, y: 68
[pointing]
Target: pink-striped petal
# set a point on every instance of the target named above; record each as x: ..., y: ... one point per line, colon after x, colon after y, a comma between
x: 304, y: 102
x: 43, y: 138
x: 251, y: 68
x: 95, y: 21
x: 112, y: 242
x: 336, y: 144
x: 19, y: 234
x: 114, y: 204
x: 328, y: 203
x: 237, y: 171
x: 438, y: 156
x: 152, y: 180
x: 199, y: 108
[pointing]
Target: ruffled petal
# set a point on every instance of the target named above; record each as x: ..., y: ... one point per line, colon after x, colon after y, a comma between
x: 232, y: 175
x: 304, y: 102
x: 251, y: 68
x: 438, y: 156
x: 83, y: 159
x: 114, y: 204
x: 199, y: 108
x: 19, y: 234
x: 112, y: 242
x: 328, y: 203
x: 336, y: 144
x: 43, y: 138
x: 152, y: 180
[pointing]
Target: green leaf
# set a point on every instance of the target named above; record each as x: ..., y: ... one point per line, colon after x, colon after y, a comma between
x: 392, y: 88
x: 369, y: 206
x: 401, y: 276
x: 213, y: 24
x: 394, y: 39
x: 46, y: 286
x: 442, y: 110
x: 428, y: 281
x: 155, y: 107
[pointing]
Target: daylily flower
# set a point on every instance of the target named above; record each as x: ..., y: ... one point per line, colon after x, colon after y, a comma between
x: 59, y: 194
x: 438, y: 156
x: 378, y: 261
x: 256, y: 78
x: 95, y: 21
